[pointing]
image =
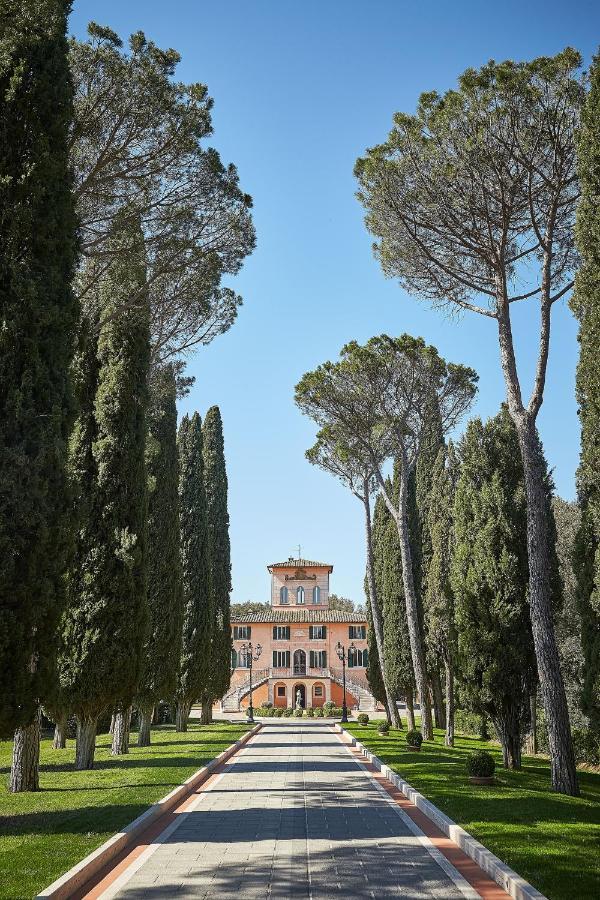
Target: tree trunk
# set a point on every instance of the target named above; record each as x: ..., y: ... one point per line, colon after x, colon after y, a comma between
x: 552, y: 689
x: 120, y: 741
x: 111, y: 730
x: 206, y: 714
x: 484, y: 734
x: 145, y: 713
x: 25, y: 771
x: 410, y: 710
x: 85, y: 746
x: 439, y: 711
x: 562, y: 757
x: 449, y: 737
x: 376, y: 613
x: 59, y: 741
x: 532, y: 744
x: 182, y: 715
x: 412, y: 609
x: 509, y: 732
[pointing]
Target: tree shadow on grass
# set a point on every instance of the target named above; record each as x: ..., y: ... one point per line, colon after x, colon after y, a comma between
x: 82, y: 820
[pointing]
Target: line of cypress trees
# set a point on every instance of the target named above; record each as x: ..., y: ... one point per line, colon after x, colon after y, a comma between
x: 106, y: 616
x: 162, y: 649
x: 215, y: 482
x: 586, y: 306
x: 195, y: 663
x: 489, y: 580
x: 38, y: 317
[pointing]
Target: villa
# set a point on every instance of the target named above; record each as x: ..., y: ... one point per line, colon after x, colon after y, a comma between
x: 299, y: 637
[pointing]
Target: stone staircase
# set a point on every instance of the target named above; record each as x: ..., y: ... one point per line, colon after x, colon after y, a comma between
x: 358, y: 687
x: 231, y: 700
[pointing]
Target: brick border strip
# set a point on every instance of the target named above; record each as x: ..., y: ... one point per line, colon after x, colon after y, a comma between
x: 503, y: 875
x: 94, y: 862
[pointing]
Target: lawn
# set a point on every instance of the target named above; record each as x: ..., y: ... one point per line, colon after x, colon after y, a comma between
x: 44, y: 834
x: 551, y: 840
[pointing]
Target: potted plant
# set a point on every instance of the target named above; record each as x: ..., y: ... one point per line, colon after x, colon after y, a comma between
x: 383, y: 728
x: 414, y: 739
x: 362, y: 719
x: 481, y: 766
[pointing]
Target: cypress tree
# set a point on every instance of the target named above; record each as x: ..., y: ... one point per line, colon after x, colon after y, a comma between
x: 586, y: 306
x: 105, y: 622
x: 195, y: 662
x: 489, y: 579
x: 215, y: 485
x: 374, y: 678
x: 439, y: 599
x: 38, y: 317
x: 162, y: 649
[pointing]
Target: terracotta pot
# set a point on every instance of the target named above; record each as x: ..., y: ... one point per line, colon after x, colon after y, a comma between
x: 481, y: 779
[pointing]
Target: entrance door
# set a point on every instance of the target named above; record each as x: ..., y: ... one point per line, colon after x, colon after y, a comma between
x: 299, y: 662
x: 299, y: 688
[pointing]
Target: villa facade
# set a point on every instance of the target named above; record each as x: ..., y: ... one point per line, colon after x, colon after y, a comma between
x: 298, y: 635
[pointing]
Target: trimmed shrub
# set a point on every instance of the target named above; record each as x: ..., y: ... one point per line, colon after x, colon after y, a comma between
x: 279, y: 712
x: 298, y: 712
x: 328, y: 706
x: 480, y: 764
x: 309, y: 712
x: 267, y: 704
x: 362, y: 719
x: 318, y: 712
x: 586, y: 746
x: 288, y: 712
x: 414, y: 738
x: 383, y: 728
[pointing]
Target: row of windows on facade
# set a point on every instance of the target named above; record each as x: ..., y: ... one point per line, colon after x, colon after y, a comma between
x: 284, y: 595
x: 357, y: 659
x: 315, y: 632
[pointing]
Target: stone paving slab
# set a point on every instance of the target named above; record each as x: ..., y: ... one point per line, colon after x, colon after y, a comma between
x: 292, y: 816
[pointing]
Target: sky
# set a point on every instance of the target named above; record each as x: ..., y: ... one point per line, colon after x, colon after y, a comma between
x: 300, y: 90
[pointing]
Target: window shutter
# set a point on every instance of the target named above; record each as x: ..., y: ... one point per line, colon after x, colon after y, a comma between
x: 287, y: 659
x: 324, y: 655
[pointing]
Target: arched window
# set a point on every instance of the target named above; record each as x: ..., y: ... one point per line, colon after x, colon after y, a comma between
x: 283, y: 595
x: 316, y: 594
x: 299, y: 595
x: 234, y: 659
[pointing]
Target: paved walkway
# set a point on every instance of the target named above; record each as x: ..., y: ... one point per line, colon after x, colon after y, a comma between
x: 294, y: 815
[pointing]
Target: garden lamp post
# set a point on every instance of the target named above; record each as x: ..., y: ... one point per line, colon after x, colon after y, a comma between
x: 250, y: 653
x: 343, y: 655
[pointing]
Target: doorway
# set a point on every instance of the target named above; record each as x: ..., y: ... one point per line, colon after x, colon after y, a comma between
x: 301, y: 688
x: 299, y: 662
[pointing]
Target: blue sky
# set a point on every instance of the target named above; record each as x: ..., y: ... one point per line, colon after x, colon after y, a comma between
x: 300, y: 89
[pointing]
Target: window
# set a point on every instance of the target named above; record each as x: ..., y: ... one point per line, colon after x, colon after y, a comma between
x: 242, y: 632
x: 357, y: 632
x: 300, y: 595
x: 316, y: 594
x: 234, y: 659
x: 281, y: 632
x: 358, y: 659
x: 318, y: 659
x: 281, y: 659
x: 318, y: 690
x: 317, y: 632
x: 283, y: 595
x: 281, y: 690
x: 243, y: 660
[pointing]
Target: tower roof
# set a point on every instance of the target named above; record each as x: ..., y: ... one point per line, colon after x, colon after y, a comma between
x: 292, y: 563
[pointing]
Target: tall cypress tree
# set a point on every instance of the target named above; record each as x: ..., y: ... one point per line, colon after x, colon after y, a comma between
x: 439, y: 599
x: 105, y: 623
x: 489, y: 579
x: 195, y: 662
x: 215, y: 484
x: 38, y: 317
x: 162, y: 649
x: 586, y: 306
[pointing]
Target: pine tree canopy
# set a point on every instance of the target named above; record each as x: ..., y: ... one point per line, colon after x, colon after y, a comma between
x: 38, y: 315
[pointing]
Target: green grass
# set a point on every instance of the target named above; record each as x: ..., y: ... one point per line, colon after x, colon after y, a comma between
x: 43, y: 834
x: 551, y: 840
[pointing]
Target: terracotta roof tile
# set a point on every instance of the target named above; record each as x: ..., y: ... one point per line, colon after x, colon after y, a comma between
x: 292, y: 563
x: 299, y: 615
